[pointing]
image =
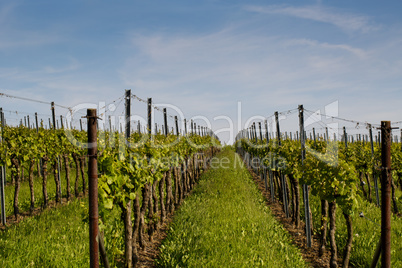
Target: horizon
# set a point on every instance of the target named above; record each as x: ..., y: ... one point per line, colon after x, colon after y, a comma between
x: 204, y: 58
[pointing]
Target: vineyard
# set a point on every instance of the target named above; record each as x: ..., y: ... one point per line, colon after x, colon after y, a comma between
x: 134, y: 183
x: 143, y: 177
x: 342, y: 178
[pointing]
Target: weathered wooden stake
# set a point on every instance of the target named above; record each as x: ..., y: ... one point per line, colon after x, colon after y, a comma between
x: 93, y: 188
x: 386, y: 194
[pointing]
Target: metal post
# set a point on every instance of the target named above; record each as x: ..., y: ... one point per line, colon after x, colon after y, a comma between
x: 386, y: 194
x: 36, y: 121
x: 271, y: 182
x: 266, y: 131
x: 255, y: 132
x: 345, y: 137
x: 305, y: 186
x: 128, y: 112
x: 93, y: 188
x: 149, y: 116
x: 61, y: 121
x: 278, y: 131
x: 379, y: 137
x: 57, y: 159
x: 53, y: 115
x: 165, y: 121
x: 177, y: 125
x: 314, y: 137
x: 282, y: 176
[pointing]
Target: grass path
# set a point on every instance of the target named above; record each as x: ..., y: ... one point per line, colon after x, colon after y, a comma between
x: 55, y: 238
x: 225, y: 223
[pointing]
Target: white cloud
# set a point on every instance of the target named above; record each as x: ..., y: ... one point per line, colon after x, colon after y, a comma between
x: 361, y: 53
x: 208, y: 73
x: 345, y: 21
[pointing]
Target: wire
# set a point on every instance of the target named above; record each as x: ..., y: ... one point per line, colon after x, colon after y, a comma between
x: 37, y: 101
x: 171, y: 117
x: 346, y: 120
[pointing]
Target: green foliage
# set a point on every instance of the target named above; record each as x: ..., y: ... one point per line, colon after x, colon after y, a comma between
x: 56, y: 238
x: 126, y: 166
x: 325, y: 168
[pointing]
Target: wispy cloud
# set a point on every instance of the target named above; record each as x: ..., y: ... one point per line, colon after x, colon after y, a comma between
x: 345, y: 21
x: 361, y: 53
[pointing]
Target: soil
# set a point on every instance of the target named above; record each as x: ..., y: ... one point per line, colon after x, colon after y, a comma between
x: 148, y: 256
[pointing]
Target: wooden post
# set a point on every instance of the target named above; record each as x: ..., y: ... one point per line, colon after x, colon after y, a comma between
x: 61, y: 121
x: 305, y: 186
x: 314, y: 137
x: 36, y: 121
x: 386, y: 194
x: 165, y: 121
x: 128, y: 112
x: 266, y: 131
x: 177, y: 125
x: 282, y: 176
x: 53, y: 115
x: 345, y: 137
x: 93, y: 188
x: 149, y: 116
x: 278, y: 132
x: 58, y: 161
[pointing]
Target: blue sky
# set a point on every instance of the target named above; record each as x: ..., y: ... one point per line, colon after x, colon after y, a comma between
x: 205, y: 56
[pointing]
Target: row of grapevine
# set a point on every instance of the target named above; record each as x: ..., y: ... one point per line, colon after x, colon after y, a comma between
x: 339, y: 173
x: 28, y: 149
x: 143, y: 177
x: 146, y: 179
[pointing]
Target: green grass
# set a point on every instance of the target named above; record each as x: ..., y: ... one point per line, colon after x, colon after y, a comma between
x: 56, y: 238
x: 225, y: 223
x: 24, y: 198
x: 366, y: 233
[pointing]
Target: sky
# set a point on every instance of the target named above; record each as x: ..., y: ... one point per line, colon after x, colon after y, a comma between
x: 225, y: 61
